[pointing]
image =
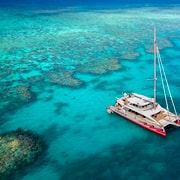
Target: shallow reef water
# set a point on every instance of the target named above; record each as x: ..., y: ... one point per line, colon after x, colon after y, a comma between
x: 59, y: 70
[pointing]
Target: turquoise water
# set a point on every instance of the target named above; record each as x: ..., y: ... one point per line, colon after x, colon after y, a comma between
x: 60, y: 69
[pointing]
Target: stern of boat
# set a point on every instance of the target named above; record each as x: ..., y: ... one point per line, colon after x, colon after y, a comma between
x: 178, y: 121
x: 109, y: 109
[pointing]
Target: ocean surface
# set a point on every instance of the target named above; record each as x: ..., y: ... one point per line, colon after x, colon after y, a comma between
x: 62, y: 64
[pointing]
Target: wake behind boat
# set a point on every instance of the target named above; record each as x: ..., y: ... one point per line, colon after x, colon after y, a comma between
x: 145, y: 111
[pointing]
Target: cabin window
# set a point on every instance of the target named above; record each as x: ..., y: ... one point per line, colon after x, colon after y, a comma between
x: 126, y: 109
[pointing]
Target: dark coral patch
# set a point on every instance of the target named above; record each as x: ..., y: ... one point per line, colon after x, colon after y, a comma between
x: 15, y: 97
x: 63, y: 78
x: 59, y: 107
x: 18, y: 148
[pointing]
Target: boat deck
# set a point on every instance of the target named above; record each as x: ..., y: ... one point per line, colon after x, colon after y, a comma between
x: 160, y: 116
x: 161, y: 120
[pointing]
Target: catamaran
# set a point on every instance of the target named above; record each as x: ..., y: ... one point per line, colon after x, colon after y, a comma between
x: 145, y: 111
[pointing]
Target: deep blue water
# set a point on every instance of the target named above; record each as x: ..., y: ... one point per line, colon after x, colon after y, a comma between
x: 92, y: 3
x: 63, y: 63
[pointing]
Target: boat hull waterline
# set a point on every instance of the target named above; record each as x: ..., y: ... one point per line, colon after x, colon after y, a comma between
x: 154, y: 119
x: 112, y: 109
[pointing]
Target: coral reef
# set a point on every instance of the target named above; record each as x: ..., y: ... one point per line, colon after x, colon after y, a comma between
x: 130, y: 56
x: 17, y: 93
x: 14, y: 97
x: 99, y: 66
x: 17, y: 149
x: 22, y: 92
x: 64, y: 78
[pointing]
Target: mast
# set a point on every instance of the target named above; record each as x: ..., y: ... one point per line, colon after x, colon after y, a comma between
x: 155, y: 78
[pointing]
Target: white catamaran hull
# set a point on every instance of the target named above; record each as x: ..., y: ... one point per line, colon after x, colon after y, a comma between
x: 157, y: 120
x: 113, y: 109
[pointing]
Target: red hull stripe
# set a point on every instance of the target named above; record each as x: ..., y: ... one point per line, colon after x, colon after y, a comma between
x: 146, y: 126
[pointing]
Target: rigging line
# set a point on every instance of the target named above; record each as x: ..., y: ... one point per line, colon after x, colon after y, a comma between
x: 162, y: 80
x: 166, y: 82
